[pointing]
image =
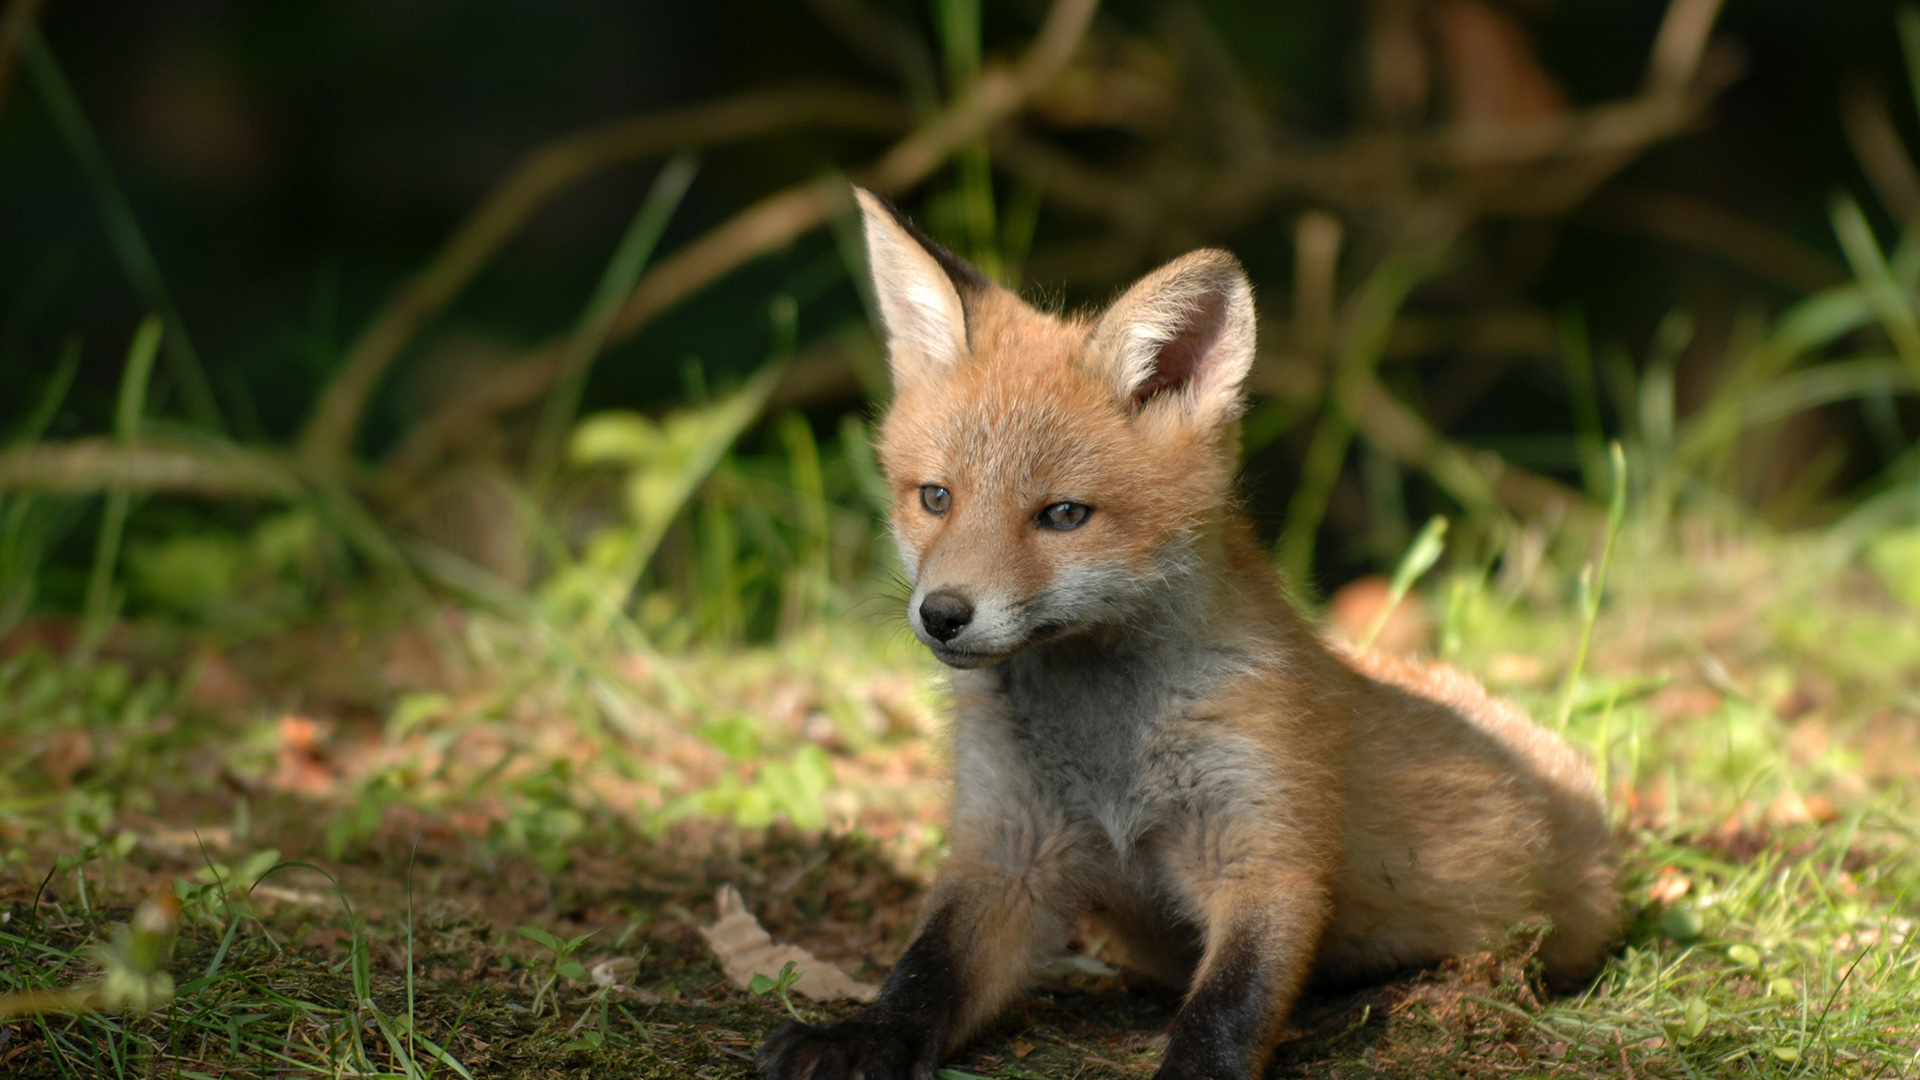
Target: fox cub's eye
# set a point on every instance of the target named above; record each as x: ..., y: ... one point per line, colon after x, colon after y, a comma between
x: 1063, y: 517
x: 934, y: 498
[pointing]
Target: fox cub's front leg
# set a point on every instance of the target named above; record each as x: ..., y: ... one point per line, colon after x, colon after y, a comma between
x: 1263, y: 904
x: 1002, y: 898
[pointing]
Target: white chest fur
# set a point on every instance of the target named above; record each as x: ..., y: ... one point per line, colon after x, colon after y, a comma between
x: 1111, y: 734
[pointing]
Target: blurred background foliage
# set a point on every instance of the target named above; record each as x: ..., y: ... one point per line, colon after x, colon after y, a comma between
x: 385, y: 243
x: 448, y: 423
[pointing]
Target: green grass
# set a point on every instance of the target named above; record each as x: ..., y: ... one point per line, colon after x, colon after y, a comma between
x: 1744, y: 717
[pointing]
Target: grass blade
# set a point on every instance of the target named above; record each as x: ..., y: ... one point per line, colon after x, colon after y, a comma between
x: 657, y: 495
x: 1370, y: 317
x: 1594, y: 583
x: 1907, y: 19
x: 126, y: 429
x: 590, y: 336
x: 52, y: 396
x: 123, y: 229
x: 1425, y: 551
x: 21, y: 544
x: 1891, y: 303
x: 1577, y: 347
x: 958, y: 22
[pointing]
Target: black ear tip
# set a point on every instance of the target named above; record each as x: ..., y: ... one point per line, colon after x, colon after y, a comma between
x: 881, y: 203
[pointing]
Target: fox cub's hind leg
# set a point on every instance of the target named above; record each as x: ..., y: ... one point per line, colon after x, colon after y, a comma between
x: 1003, y: 899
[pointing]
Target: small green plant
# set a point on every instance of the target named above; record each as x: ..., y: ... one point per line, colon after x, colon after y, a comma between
x: 559, y: 962
x: 1593, y: 584
x: 541, y: 820
x: 133, y: 970
x: 760, y: 985
x: 218, y: 889
x: 1425, y: 550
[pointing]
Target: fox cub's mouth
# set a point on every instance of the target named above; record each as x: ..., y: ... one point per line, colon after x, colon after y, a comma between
x: 965, y: 659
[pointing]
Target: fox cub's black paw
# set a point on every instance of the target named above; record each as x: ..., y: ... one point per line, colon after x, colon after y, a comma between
x: 1201, y: 1063
x: 850, y: 1050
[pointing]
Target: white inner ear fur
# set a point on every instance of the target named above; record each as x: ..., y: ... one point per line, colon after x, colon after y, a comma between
x: 1184, y: 334
x: 926, y: 327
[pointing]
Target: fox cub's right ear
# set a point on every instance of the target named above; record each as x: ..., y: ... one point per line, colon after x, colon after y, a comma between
x: 1180, y: 341
x: 917, y: 283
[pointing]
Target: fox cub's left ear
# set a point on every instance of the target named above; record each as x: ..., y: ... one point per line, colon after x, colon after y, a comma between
x: 919, y: 286
x: 1183, y: 335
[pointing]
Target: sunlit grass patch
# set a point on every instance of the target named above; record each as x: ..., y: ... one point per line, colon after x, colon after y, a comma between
x: 1770, y: 857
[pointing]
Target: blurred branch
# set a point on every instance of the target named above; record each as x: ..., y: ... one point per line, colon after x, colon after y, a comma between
x: 1681, y: 42
x: 1876, y: 143
x: 19, y: 18
x: 91, y: 465
x: 1316, y: 262
x: 1695, y: 223
x: 884, y: 42
x: 1365, y: 322
x: 540, y: 176
x: 1478, y: 480
x: 766, y: 226
x: 1491, y: 331
x: 1534, y: 168
x: 999, y: 93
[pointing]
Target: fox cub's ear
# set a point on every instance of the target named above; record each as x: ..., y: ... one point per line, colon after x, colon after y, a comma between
x: 918, y: 285
x: 1183, y: 333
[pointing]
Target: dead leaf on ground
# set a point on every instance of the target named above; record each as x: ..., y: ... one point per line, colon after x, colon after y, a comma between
x: 298, y: 765
x: 614, y: 971
x: 1359, y: 604
x: 219, y: 686
x: 67, y: 753
x: 745, y: 949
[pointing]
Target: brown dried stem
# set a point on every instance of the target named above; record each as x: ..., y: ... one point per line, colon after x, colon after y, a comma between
x: 767, y: 225
x: 1478, y: 480
x: 1680, y: 44
x: 1877, y: 145
x: 20, y: 16
x: 542, y: 175
x: 91, y: 465
x: 1703, y: 226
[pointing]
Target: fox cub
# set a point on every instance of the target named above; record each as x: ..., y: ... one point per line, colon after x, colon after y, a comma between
x: 1145, y: 730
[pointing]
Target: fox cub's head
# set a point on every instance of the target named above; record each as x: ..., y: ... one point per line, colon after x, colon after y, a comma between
x: 1050, y: 475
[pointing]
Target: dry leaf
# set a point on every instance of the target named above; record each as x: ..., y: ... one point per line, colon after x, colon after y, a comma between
x: 745, y: 949
x: 1494, y: 78
x: 219, y: 685
x: 1358, y: 604
x: 67, y: 753
x: 298, y: 766
x: 614, y: 971
x: 1669, y: 885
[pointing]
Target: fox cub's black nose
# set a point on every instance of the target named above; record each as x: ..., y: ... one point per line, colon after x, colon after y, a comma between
x: 945, y: 614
